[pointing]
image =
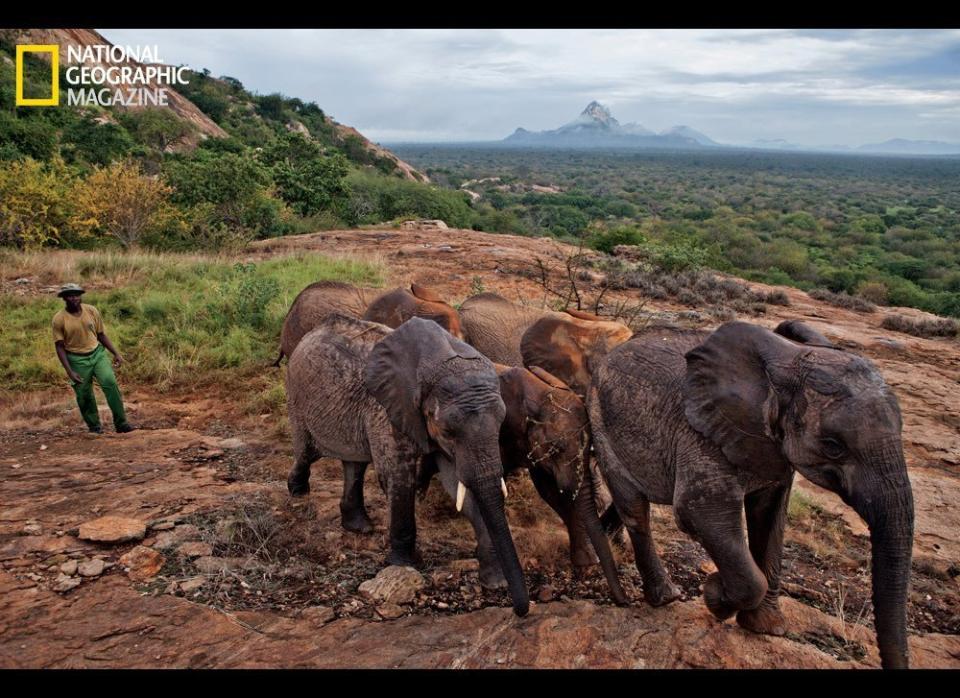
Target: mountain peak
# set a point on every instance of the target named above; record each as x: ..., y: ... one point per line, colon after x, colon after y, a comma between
x: 597, y: 111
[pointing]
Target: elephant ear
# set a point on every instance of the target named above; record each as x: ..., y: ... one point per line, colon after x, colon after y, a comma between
x: 581, y: 315
x: 802, y: 333
x: 426, y: 294
x: 734, y: 390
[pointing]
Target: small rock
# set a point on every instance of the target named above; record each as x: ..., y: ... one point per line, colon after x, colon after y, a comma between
x: 547, y: 593
x: 22, y: 280
x: 63, y: 583
x: 707, y: 567
x: 112, y: 529
x: 389, y: 611
x: 16, y: 466
x: 32, y: 529
x: 233, y: 444
x: 142, y: 563
x: 69, y: 568
x: 393, y: 584
x: 34, y: 576
x: 180, y: 534
x: 43, y: 447
x: 318, y: 615
x: 91, y: 568
x: 443, y: 605
x: 192, y: 584
x: 195, y: 549
x: 162, y: 526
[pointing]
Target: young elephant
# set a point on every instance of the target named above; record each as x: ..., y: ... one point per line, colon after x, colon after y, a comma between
x: 316, y: 302
x: 546, y: 431
x: 494, y: 326
x: 361, y: 393
x: 566, y: 344
x: 713, y: 423
x: 399, y: 305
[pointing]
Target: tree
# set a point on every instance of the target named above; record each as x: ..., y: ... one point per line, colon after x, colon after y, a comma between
x: 118, y: 200
x: 156, y: 128
x: 33, y: 203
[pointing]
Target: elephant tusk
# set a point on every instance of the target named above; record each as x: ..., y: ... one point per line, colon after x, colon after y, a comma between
x: 461, y: 493
x: 503, y: 486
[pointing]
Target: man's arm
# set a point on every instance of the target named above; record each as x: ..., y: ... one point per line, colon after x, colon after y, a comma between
x: 62, y: 355
x: 105, y: 341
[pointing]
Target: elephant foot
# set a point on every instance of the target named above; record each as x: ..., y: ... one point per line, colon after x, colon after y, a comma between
x: 714, y: 598
x: 404, y: 559
x: 356, y: 521
x: 491, y: 577
x: 661, y: 592
x: 583, y: 559
x: 766, y: 619
x: 298, y: 487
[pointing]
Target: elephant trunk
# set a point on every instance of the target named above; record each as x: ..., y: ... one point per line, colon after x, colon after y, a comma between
x: 885, y: 502
x: 586, y: 512
x: 489, y: 498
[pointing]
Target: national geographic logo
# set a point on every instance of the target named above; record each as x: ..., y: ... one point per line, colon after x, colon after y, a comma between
x: 101, y: 75
x: 54, y: 98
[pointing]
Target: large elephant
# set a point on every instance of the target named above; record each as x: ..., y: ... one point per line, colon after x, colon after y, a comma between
x: 566, y: 344
x: 546, y: 431
x: 317, y: 301
x: 399, y: 305
x: 717, y: 423
x: 361, y: 392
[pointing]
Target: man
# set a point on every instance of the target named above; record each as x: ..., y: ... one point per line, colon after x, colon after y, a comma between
x: 80, y: 339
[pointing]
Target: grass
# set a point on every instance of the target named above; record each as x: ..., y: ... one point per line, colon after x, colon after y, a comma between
x: 176, y: 318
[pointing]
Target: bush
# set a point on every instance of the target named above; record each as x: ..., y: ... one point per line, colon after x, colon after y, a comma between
x: 939, y: 327
x: 34, y: 203
x: 873, y: 291
x: 606, y: 241
x: 121, y: 202
x: 842, y: 300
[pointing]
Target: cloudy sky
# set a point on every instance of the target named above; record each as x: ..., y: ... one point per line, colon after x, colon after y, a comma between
x: 811, y: 88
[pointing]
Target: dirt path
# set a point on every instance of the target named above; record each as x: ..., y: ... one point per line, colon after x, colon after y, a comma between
x: 276, y: 584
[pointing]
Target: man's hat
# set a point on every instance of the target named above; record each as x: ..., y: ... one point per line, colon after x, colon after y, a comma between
x: 70, y: 288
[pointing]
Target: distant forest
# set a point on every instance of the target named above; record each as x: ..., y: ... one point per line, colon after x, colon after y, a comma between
x: 884, y: 228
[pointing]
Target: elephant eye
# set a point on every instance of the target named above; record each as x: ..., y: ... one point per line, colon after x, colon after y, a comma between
x: 833, y: 448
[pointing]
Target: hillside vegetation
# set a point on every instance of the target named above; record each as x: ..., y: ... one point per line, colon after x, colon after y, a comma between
x: 89, y: 176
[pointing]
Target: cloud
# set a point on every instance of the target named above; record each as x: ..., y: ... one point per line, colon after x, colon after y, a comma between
x: 481, y: 84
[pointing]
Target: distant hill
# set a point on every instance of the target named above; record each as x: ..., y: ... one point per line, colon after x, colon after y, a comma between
x: 596, y: 127
x: 908, y: 147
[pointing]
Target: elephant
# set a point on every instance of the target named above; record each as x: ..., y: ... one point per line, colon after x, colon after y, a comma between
x: 363, y: 393
x: 546, y: 431
x: 316, y: 302
x: 399, y: 305
x: 565, y: 344
x: 716, y: 424
x: 494, y: 326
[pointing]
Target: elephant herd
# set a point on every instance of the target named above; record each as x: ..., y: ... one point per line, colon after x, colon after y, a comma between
x: 714, y: 423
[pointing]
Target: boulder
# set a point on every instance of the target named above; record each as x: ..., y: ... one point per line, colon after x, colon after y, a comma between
x: 112, y: 529
x: 393, y: 584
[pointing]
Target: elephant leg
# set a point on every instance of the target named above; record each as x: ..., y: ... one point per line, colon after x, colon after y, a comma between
x: 713, y: 515
x: 491, y: 573
x: 581, y: 552
x: 766, y: 512
x: 658, y: 588
x: 305, y: 453
x: 353, y: 513
x: 395, y: 462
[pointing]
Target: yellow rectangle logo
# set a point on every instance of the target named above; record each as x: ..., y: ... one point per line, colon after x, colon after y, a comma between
x: 54, y: 51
